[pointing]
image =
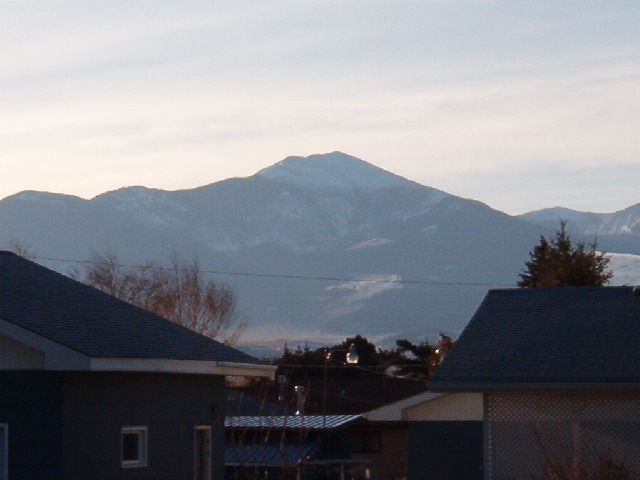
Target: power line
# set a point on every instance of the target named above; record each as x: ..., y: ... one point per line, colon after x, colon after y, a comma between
x: 380, y: 370
x: 284, y: 276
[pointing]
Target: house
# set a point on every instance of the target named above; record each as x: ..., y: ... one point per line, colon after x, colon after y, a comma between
x: 93, y: 387
x: 425, y: 436
x: 350, y: 391
x: 559, y: 370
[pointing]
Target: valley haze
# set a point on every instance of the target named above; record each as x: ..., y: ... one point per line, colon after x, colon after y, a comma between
x: 320, y: 247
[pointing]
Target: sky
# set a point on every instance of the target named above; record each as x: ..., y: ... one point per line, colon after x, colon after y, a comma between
x: 521, y: 105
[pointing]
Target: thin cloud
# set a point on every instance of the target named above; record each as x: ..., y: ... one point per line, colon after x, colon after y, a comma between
x: 174, y: 95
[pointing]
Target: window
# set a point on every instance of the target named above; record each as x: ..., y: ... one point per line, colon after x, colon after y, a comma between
x: 134, y: 447
x: 366, y: 441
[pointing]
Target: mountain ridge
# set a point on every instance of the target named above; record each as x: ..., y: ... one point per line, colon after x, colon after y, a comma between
x: 622, y: 221
x: 332, y: 170
x: 328, y: 256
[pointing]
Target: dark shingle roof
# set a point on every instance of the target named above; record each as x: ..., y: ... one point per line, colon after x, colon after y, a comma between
x: 94, y: 323
x: 562, y: 338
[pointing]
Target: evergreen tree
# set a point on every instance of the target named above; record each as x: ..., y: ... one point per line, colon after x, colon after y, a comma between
x: 368, y: 355
x: 411, y: 359
x: 560, y: 263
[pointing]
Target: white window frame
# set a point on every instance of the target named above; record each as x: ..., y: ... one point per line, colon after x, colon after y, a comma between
x: 143, y: 436
x: 4, y: 431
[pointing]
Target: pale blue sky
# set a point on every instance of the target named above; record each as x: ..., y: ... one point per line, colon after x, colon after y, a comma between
x: 522, y: 105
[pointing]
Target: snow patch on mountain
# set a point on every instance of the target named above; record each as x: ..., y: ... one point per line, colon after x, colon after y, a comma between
x: 228, y: 247
x: 430, y: 230
x: 282, y: 240
x: 289, y: 207
x: 219, y: 241
x: 374, y: 242
x: 151, y: 206
x: 33, y: 196
x: 417, y: 210
x: 556, y: 214
x: 368, y: 286
x: 339, y: 212
x: 625, y: 267
x: 332, y: 170
x: 624, y: 221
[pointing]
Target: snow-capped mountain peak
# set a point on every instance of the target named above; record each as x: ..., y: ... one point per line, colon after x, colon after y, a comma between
x: 332, y: 170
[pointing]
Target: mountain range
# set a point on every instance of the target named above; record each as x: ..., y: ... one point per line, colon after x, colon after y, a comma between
x: 316, y: 247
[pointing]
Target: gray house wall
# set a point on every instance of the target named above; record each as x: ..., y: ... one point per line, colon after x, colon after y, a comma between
x: 67, y: 425
x: 445, y: 450
x: 31, y: 406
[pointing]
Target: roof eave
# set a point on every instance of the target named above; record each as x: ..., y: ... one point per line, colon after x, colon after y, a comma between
x: 162, y: 365
x: 444, y: 387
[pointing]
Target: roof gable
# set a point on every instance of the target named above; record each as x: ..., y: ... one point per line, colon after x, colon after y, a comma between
x: 88, y: 321
x: 555, y: 338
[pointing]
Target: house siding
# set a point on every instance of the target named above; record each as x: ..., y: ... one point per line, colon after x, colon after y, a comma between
x: 391, y: 460
x: 445, y: 450
x: 450, y: 407
x: 98, y: 405
x: 31, y: 406
x: 67, y: 425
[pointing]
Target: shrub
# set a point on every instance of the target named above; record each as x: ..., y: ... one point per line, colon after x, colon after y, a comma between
x: 599, y: 466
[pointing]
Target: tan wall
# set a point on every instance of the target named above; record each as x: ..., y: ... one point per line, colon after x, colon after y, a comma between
x: 449, y: 407
x: 16, y: 356
x: 394, y: 411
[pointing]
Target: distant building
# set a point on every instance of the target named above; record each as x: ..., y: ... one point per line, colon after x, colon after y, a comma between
x: 291, y: 446
x: 426, y: 436
x: 342, y: 446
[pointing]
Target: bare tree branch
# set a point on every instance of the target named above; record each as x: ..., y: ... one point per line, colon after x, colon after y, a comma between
x: 178, y: 293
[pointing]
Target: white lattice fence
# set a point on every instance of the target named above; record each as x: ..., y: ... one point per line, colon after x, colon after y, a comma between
x: 526, y: 431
